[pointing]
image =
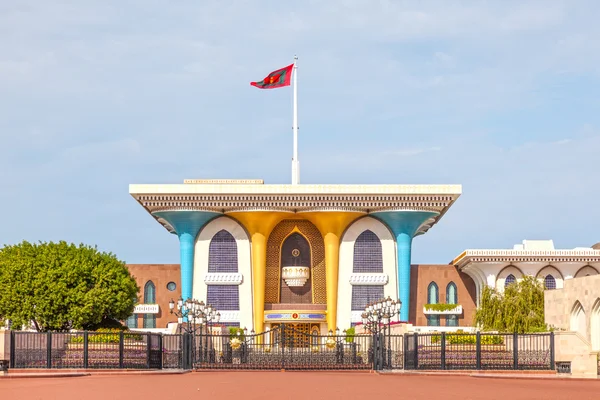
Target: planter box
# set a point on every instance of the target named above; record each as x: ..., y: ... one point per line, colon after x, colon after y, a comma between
x: 455, y: 311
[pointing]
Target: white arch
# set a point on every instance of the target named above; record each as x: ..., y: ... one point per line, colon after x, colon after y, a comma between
x: 244, y: 316
x: 551, y: 270
x: 388, y: 252
x: 595, y: 326
x: 578, y: 320
x: 479, y: 279
x: 506, y: 272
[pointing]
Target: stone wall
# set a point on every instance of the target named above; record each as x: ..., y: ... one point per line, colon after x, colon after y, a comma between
x: 574, y: 348
x: 561, y: 306
x: 4, y: 344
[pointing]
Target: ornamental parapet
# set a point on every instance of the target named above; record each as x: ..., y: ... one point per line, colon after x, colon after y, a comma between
x: 229, y: 316
x: 221, y: 278
x: 368, y: 279
x: 515, y: 256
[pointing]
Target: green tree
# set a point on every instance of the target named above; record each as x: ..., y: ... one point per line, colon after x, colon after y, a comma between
x: 61, y: 286
x: 520, y: 308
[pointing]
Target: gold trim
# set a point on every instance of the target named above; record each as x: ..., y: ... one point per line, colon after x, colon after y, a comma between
x: 295, y: 311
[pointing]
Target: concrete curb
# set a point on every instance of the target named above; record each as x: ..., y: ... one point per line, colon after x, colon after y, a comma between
x: 76, y: 373
x: 43, y: 375
x: 538, y: 376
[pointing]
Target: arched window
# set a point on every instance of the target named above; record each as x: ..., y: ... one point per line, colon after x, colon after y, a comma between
x: 432, y: 293
x: 433, y: 298
x: 367, y: 254
x: 223, y: 258
x: 451, y: 295
x: 451, y: 298
x: 367, y: 258
x: 296, y: 252
x: 549, y: 282
x: 149, y: 298
x: 510, y: 279
x: 222, y: 253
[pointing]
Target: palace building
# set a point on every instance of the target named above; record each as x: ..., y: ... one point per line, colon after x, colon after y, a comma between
x: 316, y: 255
x: 308, y: 254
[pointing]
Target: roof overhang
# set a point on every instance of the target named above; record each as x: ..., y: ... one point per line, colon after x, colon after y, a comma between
x: 228, y: 198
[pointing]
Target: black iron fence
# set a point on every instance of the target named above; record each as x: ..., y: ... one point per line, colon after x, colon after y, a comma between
x: 283, y: 347
x: 480, y: 351
x: 129, y: 350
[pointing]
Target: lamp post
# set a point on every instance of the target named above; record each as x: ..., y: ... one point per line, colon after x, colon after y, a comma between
x: 377, y: 318
x: 199, y: 317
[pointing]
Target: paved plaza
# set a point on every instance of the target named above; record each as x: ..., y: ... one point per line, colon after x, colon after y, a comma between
x: 295, y: 385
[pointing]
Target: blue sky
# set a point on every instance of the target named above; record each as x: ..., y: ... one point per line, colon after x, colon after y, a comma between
x: 501, y: 97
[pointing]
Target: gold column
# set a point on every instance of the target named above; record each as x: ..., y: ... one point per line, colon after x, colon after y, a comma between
x: 332, y: 225
x: 259, y: 225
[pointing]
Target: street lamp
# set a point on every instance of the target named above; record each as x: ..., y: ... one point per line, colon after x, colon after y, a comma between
x: 198, y: 314
x: 199, y: 317
x: 376, y: 318
x: 379, y: 315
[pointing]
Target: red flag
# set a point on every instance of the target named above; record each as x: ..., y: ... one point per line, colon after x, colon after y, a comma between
x: 276, y: 79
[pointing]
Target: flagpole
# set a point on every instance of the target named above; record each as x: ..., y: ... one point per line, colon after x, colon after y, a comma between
x: 295, y: 161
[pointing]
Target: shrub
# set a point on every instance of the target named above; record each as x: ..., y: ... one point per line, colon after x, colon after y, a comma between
x: 440, y: 307
x: 519, y: 308
x: 235, y: 332
x: 350, y: 333
x: 469, y: 339
x: 108, y: 335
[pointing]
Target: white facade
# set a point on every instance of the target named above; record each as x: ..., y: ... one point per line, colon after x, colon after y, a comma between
x: 243, y: 278
x: 536, y: 258
x: 346, y: 278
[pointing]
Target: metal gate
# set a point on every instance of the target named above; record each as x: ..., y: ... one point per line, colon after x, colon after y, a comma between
x: 283, y: 347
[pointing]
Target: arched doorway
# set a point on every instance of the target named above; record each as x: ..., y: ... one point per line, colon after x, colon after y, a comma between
x: 296, y: 270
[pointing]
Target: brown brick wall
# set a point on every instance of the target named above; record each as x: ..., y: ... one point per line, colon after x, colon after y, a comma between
x: 422, y: 275
x: 160, y: 275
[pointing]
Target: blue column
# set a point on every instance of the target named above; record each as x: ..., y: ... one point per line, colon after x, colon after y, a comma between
x: 404, y: 225
x: 187, y: 224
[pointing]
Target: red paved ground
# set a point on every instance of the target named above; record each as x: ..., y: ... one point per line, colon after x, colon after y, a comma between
x: 294, y: 385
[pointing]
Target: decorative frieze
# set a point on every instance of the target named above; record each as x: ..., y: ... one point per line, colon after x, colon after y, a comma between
x: 294, y: 203
x: 271, y: 316
x: 356, y: 316
x: 369, y: 279
x: 227, y: 198
x: 223, y: 278
x: 229, y: 316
